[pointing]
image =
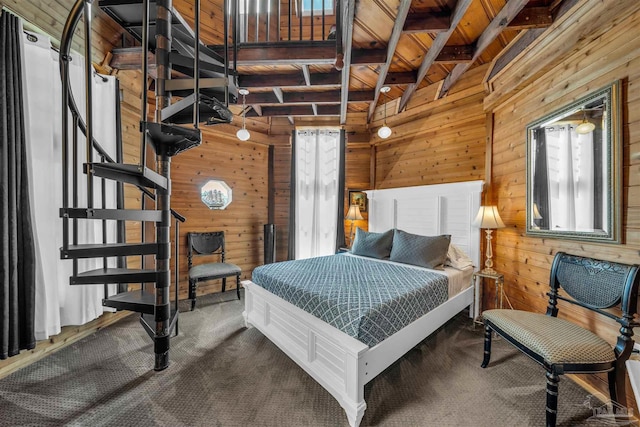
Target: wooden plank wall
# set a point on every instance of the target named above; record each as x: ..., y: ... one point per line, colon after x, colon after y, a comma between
x: 588, y: 50
x: 434, y: 142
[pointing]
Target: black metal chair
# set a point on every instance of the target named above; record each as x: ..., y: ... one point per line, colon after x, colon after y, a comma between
x: 209, y: 244
x: 563, y: 347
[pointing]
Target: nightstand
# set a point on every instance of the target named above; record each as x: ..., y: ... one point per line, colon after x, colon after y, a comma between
x: 343, y: 250
x: 477, y: 282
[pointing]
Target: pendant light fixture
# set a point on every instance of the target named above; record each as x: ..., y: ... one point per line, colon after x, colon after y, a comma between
x: 585, y: 127
x: 385, y: 131
x: 243, y: 134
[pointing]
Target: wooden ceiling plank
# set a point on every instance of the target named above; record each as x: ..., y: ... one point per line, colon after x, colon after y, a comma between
x: 434, y: 22
x: 347, y: 17
x: 401, y: 17
x: 436, y: 47
x: 288, y: 80
x: 521, y: 43
x: 493, y: 30
x: 402, y: 78
x: 297, y: 110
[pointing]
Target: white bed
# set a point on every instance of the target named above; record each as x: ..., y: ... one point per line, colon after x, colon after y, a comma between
x: 340, y: 363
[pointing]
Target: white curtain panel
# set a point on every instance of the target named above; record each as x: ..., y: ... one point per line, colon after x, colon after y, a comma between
x: 58, y: 303
x: 317, y: 174
x: 571, y: 181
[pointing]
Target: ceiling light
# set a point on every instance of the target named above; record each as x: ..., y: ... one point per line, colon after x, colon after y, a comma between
x: 585, y: 127
x: 385, y: 131
x: 243, y: 134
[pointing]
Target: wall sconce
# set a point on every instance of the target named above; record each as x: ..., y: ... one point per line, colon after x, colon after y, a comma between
x: 385, y: 131
x: 243, y: 134
x: 585, y: 127
x: 353, y: 215
x: 489, y: 219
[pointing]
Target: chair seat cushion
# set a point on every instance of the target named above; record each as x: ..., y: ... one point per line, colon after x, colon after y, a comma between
x: 213, y: 270
x: 556, y: 340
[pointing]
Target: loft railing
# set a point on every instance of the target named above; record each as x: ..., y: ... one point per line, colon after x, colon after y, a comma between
x: 260, y: 21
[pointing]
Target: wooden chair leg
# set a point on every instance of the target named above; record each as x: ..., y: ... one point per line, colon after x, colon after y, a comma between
x: 613, y: 393
x: 552, y: 398
x: 192, y: 293
x: 238, y: 285
x: 487, y: 347
x: 224, y: 284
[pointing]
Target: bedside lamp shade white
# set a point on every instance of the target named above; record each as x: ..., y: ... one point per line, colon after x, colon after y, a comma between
x: 353, y: 215
x: 489, y: 219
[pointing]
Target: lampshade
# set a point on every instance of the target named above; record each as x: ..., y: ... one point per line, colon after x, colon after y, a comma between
x: 488, y: 217
x: 585, y: 127
x: 384, y: 132
x: 243, y: 134
x: 536, y: 212
x: 354, y: 213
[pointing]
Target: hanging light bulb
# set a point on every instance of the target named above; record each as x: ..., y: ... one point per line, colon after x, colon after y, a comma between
x: 243, y: 134
x: 585, y: 127
x: 385, y: 131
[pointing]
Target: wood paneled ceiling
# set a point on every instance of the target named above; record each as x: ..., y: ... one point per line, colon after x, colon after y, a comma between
x: 404, y: 44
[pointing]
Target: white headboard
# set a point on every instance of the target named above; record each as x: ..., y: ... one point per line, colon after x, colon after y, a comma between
x: 430, y: 210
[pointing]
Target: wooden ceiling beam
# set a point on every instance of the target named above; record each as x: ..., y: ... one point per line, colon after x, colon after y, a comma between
x: 368, y: 56
x: 532, y: 17
x: 436, y: 47
x: 346, y: 15
x: 400, y: 19
x: 297, y: 110
x: 288, y: 80
x: 455, y: 54
x: 402, y: 78
x: 433, y: 22
x: 284, y: 53
x: 493, y: 30
x: 306, y: 97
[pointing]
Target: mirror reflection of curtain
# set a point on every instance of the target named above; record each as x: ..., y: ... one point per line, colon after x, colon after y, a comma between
x: 540, y: 179
x: 317, y: 160
x: 571, y: 178
x: 58, y: 303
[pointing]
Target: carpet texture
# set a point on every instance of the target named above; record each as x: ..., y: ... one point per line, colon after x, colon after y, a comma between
x: 222, y: 374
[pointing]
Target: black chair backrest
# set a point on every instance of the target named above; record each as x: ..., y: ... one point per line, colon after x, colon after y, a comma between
x: 208, y: 243
x: 595, y: 285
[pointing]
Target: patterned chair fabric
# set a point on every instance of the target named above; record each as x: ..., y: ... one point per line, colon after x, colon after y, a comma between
x: 209, y: 244
x: 563, y: 347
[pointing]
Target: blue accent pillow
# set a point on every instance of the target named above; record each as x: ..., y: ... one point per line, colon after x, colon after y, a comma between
x: 372, y: 245
x: 423, y: 251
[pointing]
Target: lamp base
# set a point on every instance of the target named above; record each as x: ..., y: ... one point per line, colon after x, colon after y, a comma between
x: 489, y: 270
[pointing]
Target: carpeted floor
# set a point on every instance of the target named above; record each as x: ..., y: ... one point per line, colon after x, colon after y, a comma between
x: 222, y: 374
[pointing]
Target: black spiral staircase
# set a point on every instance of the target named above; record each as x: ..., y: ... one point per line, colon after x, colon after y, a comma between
x: 145, y: 290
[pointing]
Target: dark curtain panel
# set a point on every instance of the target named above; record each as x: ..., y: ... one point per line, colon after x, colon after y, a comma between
x: 292, y: 200
x: 340, y: 239
x: 598, y: 171
x: 541, y: 180
x: 17, y: 269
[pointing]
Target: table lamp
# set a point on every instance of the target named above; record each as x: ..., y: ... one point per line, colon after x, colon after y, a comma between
x: 353, y: 215
x: 489, y: 219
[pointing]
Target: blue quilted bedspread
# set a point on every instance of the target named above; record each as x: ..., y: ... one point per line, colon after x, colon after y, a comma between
x: 368, y: 300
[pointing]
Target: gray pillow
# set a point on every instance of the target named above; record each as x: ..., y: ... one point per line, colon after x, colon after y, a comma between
x: 373, y: 245
x: 423, y: 251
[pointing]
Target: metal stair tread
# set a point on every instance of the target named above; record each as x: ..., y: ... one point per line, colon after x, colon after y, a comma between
x: 130, y: 173
x: 172, y: 139
x: 113, y: 275
x: 95, y: 250
x: 138, y: 301
x: 212, y: 111
x: 112, y: 214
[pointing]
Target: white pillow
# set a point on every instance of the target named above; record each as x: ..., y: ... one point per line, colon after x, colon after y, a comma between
x: 456, y: 258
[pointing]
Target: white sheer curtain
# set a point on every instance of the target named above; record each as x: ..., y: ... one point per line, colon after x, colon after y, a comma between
x: 317, y: 174
x: 571, y: 178
x: 57, y: 303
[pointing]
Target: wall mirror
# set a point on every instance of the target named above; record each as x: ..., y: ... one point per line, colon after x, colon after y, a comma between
x: 216, y: 194
x: 574, y: 170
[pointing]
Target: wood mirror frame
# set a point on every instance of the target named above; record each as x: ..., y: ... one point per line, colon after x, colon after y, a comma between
x: 574, y: 188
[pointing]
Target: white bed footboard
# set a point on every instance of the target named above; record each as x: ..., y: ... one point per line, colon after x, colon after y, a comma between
x: 339, y: 363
